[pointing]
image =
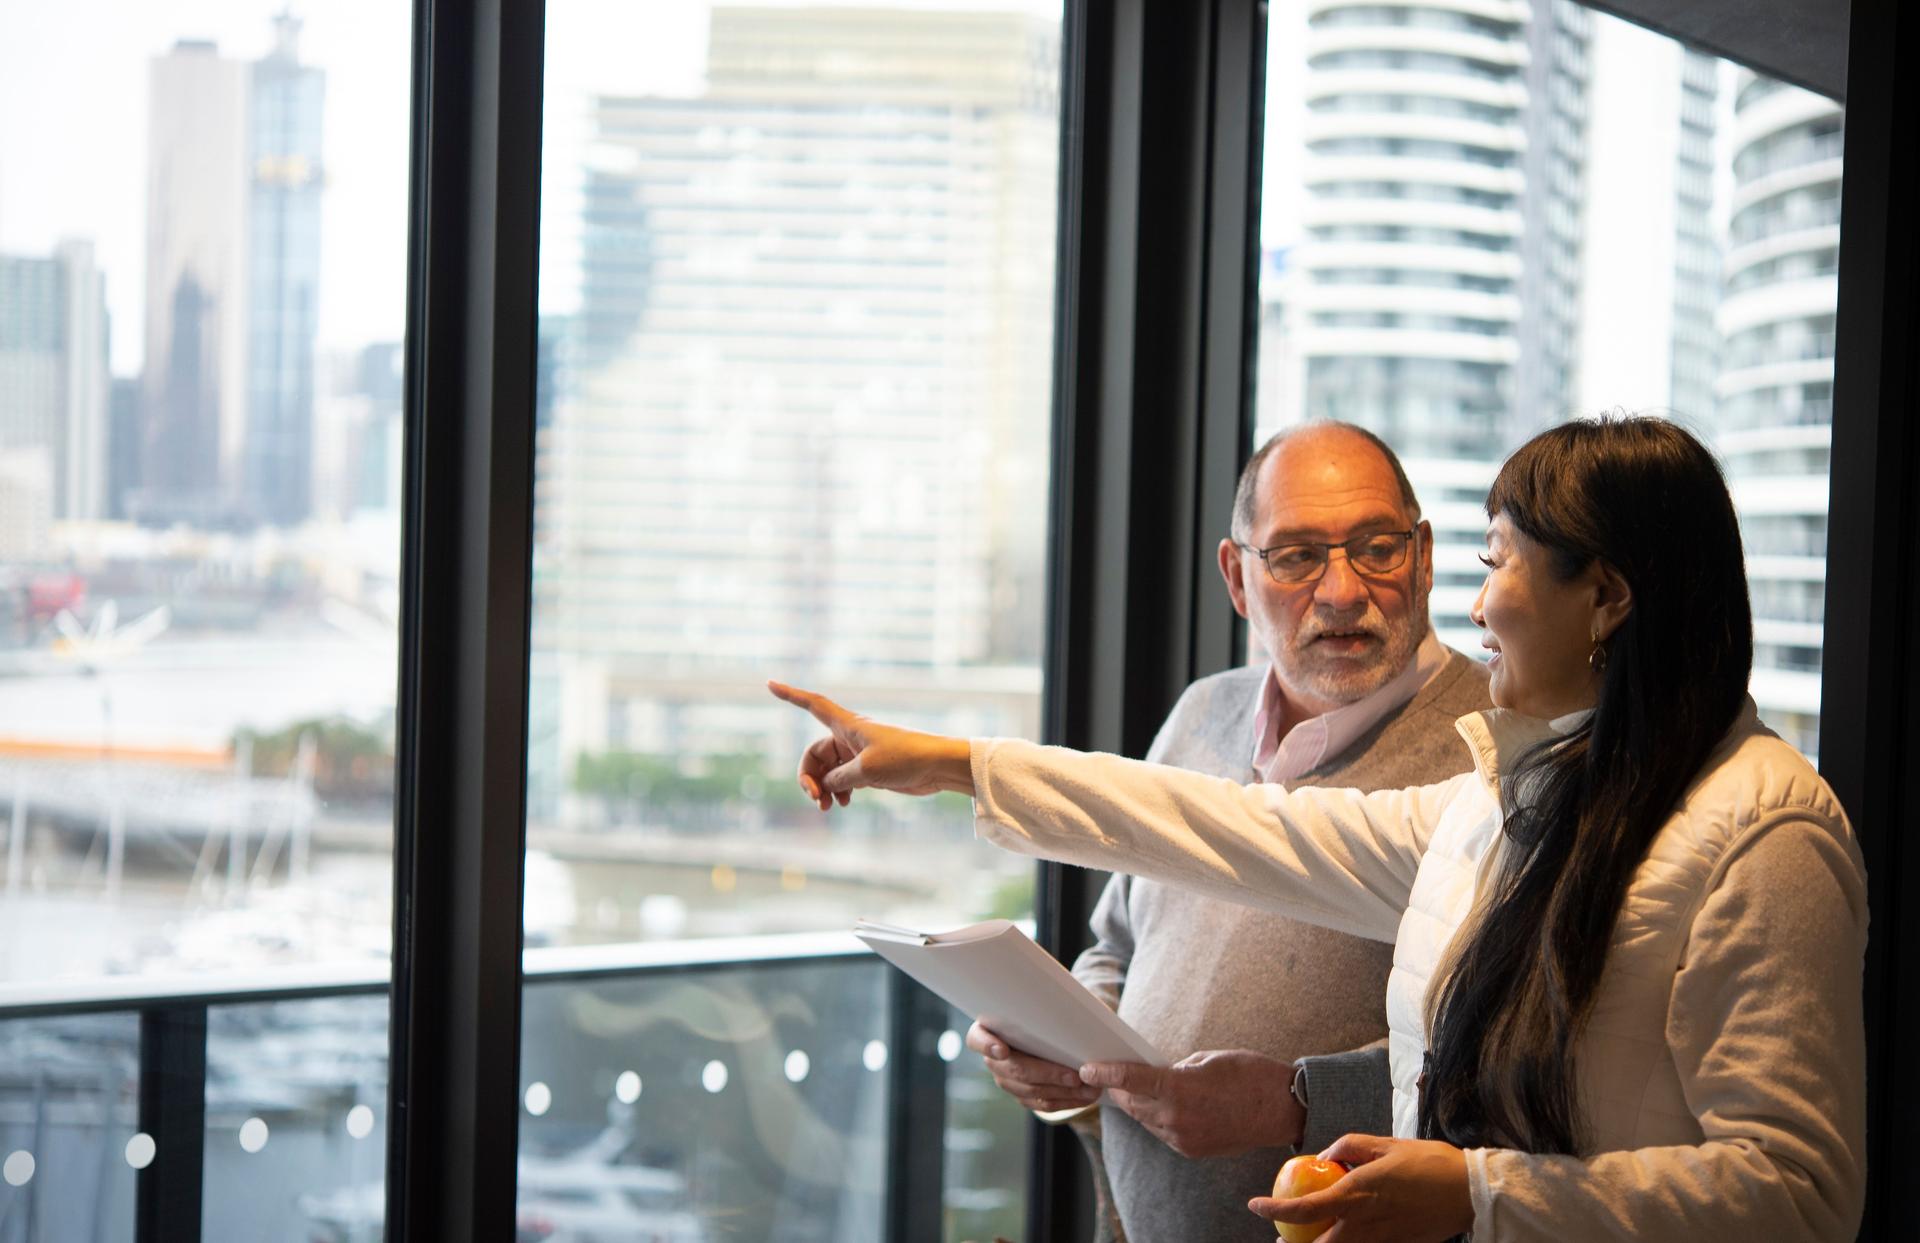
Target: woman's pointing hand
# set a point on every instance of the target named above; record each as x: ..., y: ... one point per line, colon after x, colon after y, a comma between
x: 860, y: 754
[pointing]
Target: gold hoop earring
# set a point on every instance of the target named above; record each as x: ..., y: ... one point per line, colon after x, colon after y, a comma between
x: 1597, y: 658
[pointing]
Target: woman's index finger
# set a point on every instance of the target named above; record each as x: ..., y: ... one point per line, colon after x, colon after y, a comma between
x: 821, y: 708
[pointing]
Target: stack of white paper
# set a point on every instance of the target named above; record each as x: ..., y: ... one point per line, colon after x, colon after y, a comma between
x: 994, y: 973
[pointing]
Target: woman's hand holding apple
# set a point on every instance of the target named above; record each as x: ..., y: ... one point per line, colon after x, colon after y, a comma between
x: 1399, y: 1191
x: 1302, y: 1176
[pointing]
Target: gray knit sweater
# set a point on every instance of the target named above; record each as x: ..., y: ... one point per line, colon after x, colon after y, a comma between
x: 1192, y: 973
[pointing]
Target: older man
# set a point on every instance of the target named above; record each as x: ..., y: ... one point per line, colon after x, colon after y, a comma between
x: 1278, y: 1025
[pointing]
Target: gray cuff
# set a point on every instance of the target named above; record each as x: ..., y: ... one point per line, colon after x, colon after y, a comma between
x: 1346, y: 1092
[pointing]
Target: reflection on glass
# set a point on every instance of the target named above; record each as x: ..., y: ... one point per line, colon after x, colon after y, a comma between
x: 202, y: 241
x: 293, y: 1091
x: 724, y: 1142
x: 68, y: 1143
x: 985, y: 1180
x: 1476, y: 226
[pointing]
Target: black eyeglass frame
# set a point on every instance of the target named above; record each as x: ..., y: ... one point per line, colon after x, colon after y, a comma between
x: 1326, y: 555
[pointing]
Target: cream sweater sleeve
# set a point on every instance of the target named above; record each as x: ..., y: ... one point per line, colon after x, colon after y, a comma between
x: 1337, y: 858
x: 1765, y: 1027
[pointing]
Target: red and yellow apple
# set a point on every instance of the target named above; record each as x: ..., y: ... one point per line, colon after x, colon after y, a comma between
x: 1302, y: 1176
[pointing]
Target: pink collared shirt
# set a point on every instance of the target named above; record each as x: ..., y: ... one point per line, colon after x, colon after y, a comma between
x: 1316, y: 740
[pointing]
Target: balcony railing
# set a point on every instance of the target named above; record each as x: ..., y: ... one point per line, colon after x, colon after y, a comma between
x: 689, y: 1091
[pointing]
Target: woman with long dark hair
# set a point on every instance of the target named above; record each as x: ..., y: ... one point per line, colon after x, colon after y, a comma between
x: 1625, y: 1001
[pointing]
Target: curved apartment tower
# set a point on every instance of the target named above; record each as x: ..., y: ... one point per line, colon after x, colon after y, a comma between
x: 1438, y: 278
x: 1776, y: 382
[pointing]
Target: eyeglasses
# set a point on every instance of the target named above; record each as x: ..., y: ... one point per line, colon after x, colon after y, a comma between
x: 1381, y: 552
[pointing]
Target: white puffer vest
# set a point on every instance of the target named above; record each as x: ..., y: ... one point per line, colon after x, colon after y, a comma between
x: 1630, y: 1091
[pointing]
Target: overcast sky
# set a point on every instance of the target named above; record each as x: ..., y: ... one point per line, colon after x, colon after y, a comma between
x: 79, y: 69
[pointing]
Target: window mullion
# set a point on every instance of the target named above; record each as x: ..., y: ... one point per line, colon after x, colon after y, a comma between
x: 461, y: 731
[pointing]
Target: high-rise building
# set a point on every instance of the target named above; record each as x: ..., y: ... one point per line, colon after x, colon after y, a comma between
x: 1776, y: 383
x: 1694, y: 358
x: 1651, y: 282
x: 801, y: 412
x: 232, y: 305
x: 357, y: 433
x: 125, y: 446
x: 196, y: 330
x: 26, y: 502
x: 1005, y: 67
x: 53, y: 374
x: 1553, y: 160
x: 283, y: 238
x: 379, y: 376
x: 1437, y: 295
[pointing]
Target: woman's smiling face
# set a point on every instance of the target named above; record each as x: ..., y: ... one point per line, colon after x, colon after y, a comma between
x: 1538, y: 628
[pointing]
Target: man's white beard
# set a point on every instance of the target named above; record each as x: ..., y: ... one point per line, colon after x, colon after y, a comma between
x: 1345, y: 681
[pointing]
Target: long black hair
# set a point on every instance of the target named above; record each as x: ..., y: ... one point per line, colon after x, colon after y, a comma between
x: 1643, y: 496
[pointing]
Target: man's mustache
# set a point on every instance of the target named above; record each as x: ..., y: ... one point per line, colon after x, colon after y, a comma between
x: 1374, y: 627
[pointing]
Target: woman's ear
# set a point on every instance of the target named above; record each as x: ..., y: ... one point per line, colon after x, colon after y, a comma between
x: 1612, y: 599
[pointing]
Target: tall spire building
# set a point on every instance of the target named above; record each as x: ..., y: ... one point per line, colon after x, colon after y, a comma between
x: 283, y: 240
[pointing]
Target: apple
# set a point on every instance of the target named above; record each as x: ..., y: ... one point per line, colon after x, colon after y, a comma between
x: 1302, y: 1176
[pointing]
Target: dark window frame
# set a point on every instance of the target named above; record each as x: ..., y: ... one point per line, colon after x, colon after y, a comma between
x: 466, y: 579
x: 1870, y: 675
x: 1159, y: 237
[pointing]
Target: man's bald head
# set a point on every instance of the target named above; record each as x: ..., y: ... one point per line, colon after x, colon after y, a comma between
x: 1250, y: 492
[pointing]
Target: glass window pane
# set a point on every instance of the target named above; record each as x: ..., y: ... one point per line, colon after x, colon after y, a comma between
x: 1476, y: 226
x: 68, y: 1124
x: 985, y: 1186
x: 294, y: 1089
x: 795, y: 382
x: 728, y: 1101
x: 203, y: 229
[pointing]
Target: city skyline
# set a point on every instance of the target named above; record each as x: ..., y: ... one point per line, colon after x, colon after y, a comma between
x: 47, y: 196
x: 366, y: 149
x: 1557, y: 57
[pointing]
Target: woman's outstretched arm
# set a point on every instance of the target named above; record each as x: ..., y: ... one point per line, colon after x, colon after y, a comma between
x: 1337, y: 858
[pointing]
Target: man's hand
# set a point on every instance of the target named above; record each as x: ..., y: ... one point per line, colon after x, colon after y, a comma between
x: 860, y: 754
x: 1040, y: 1085
x: 1400, y: 1191
x: 1214, y: 1104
